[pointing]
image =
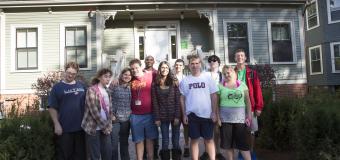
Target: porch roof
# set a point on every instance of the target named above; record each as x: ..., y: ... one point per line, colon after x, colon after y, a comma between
x: 46, y: 3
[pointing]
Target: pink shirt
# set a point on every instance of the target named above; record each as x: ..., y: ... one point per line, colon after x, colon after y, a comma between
x: 141, y: 91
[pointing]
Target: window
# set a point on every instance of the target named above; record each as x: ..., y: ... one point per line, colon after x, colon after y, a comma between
x: 315, y: 60
x: 236, y: 37
x: 26, y: 51
x: 281, y: 42
x: 76, y: 46
x: 312, y: 15
x: 335, y: 51
x: 333, y: 8
x: 141, y: 47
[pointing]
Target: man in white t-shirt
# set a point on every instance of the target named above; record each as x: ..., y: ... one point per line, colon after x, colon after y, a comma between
x: 199, y: 105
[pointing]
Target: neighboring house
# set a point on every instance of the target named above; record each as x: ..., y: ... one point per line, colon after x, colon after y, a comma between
x: 323, y: 43
x: 39, y: 36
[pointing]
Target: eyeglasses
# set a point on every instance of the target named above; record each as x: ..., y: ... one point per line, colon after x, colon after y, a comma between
x: 70, y: 73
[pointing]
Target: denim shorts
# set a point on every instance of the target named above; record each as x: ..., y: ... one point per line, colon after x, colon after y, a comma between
x: 143, y: 127
x: 200, y: 127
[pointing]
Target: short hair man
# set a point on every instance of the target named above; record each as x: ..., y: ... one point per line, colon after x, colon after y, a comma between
x: 143, y: 127
x: 66, y: 107
x: 251, y: 78
x: 199, y: 104
x: 214, y: 64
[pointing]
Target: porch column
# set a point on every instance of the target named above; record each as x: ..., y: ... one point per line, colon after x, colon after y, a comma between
x: 211, y: 15
x: 101, y: 17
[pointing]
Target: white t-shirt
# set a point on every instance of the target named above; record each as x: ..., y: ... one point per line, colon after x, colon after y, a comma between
x: 197, y: 91
x: 106, y: 101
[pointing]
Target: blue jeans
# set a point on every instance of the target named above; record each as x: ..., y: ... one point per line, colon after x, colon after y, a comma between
x: 120, y: 134
x: 99, y: 146
x: 165, y: 135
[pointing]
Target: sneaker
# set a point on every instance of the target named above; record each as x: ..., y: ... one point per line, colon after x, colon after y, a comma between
x: 186, y: 152
x: 219, y: 156
x: 204, y: 156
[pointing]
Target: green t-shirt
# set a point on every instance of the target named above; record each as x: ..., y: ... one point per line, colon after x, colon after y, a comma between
x: 232, y: 97
x: 241, y: 75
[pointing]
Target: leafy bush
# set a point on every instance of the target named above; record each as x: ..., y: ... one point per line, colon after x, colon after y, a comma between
x: 28, y: 137
x: 309, y: 126
x: 318, y: 129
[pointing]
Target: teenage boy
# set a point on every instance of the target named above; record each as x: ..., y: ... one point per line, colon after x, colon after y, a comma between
x: 251, y: 78
x: 66, y: 105
x: 214, y: 64
x: 199, y: 104
x: 178, y: 69
x: 143, y: 127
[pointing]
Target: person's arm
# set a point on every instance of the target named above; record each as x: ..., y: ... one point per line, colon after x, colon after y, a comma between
x: 155, y: 105
x: 258, y: 98
x: 248, y: 108
x: 219, y: 123
x: 213, y: 98
x: 58, y: 130
x: 177, y: 105
x: 182, y: 102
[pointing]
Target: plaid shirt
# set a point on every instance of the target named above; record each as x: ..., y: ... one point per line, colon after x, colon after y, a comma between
x: 92, y: 118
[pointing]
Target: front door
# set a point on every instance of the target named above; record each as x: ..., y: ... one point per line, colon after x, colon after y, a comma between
x: 158, y: 39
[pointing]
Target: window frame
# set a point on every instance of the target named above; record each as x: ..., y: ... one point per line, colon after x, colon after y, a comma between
x: 250, y: 39
x: 293, y: 40
x: 332, y: 44
x: 329, y: 13
x: 310, y: 60
x: 62, y: 39
x: 317, y: 16
x: 14, y: 29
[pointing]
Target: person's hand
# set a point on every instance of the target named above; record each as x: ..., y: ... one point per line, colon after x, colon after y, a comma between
x: 213, y: 117
x: 185, y: 119
x: 114, y: 118
x: 57, y: 129
x: 258, y: 113
x: 176, y: 121
x: 219, y: 122
x: 107, y: 131
x: 158, y: 123
x: 114, y: 83
x: 248, y: 121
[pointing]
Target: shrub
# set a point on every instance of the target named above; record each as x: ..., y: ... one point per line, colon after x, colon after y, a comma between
x: 318, y: 129
x: 28, y: 137
x: 310, y: 126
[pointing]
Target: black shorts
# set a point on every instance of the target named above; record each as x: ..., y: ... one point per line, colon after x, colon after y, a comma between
x: 235, y: 136
x: 200, y: 127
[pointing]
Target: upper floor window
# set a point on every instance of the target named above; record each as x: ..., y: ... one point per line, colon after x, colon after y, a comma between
x: 335, y: 51
x: 281, y: 42
x: 76, y: 45
x: 333, y: 8
x: 236, y: 37
x: 315, y: 60
x: 312, y: 15
x: 26, y: 51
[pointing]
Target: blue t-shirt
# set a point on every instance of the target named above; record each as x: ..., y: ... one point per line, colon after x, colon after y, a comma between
x: 69, y: 101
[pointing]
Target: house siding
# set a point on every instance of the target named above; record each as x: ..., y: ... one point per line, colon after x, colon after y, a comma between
x: 323, y: 35
x: 50, y: 60
x: 259, y: 18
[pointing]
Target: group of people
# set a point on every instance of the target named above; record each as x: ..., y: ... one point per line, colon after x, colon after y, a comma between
x: 220, y: 107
